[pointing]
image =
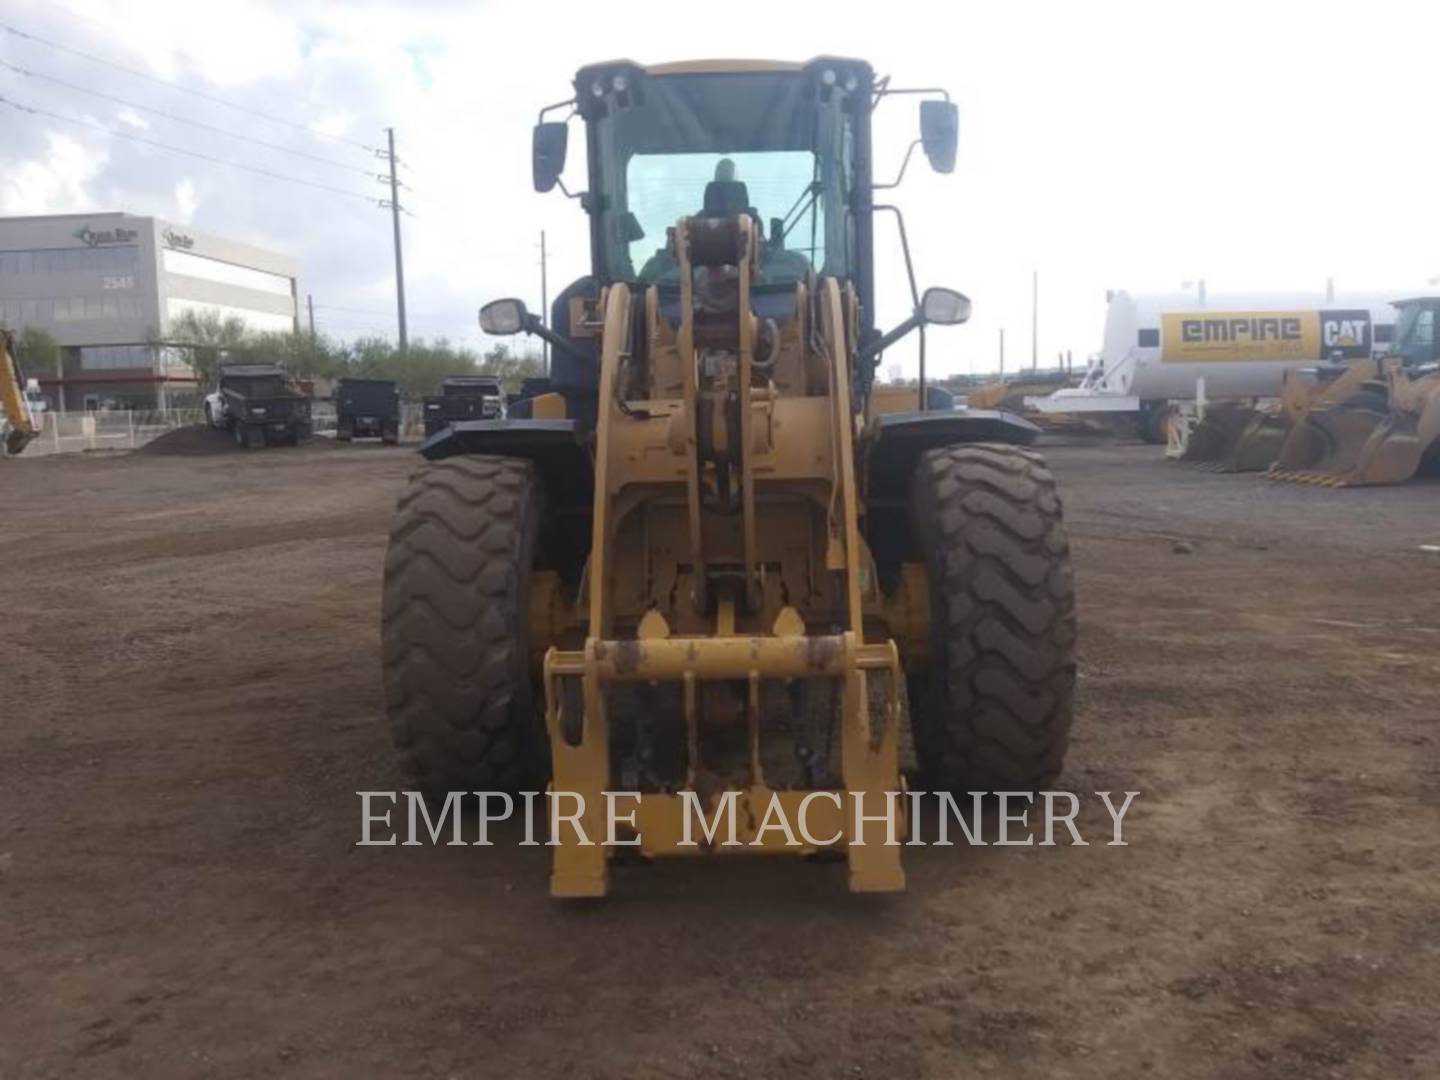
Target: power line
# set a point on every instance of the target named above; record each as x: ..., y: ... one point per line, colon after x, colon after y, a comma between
x: 181, y: 150
x: 350, y: 310
x: 183, y: 89
x: 182, y: 119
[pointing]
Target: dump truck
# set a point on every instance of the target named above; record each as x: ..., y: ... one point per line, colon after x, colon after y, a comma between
x: 464, y: 397
x: 367, y: 408
x: 258, y: 406
x: 712, y: 568
x: 1375, y: 421
x: 17, y: 421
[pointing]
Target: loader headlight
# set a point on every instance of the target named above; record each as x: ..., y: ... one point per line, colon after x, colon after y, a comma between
x: 619, y: 83
x: 828, y: 76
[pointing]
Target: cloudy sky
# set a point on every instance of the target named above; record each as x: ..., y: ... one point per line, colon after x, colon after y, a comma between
x: 1105, y: 145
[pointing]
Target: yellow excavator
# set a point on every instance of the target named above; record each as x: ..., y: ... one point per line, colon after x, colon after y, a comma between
x: 1370, y: 421
x: 17, y: 425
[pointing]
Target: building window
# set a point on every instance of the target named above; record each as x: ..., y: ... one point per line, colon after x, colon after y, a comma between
x: 224, y: 273
x: 255, y: 321
x: 113, y: 357
x: 96, y: 260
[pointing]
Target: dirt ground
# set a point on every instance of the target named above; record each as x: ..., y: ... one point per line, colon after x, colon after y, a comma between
x: 191, y: 698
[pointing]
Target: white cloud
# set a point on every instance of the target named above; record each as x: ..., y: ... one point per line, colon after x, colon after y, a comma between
x: 185, y: 201
x: 130, y: 118
x: 53, y: 183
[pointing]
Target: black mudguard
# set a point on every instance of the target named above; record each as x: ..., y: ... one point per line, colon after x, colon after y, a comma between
x: 897, y: 440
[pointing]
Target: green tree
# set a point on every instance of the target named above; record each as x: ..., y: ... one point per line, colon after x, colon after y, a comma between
x: 510, y: 368
x: 205, y: 340
x: 296, y: 353
x: 38, y: 351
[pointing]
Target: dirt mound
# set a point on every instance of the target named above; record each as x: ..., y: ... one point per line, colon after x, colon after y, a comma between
x: 195, y: 440
x: 201, y: 440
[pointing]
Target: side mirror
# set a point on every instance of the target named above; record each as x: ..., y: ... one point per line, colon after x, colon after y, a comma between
x: 945, y: 307
x: 547, y: 154
x: 505, y: 317
x: 939, y: 133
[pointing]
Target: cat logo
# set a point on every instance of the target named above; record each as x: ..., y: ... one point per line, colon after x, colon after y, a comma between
x: 1345, y: 335
x: 1191, y: 336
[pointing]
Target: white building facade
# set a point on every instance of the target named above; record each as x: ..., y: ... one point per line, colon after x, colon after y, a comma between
x: 106, y: 287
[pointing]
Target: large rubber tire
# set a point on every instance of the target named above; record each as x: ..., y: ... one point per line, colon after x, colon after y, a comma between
x: 995, y: 713
x: 345, y: 429
x: 1155, y: 423
x: 454, y: 624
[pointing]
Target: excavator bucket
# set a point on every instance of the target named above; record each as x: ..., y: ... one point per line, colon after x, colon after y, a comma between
x: 1380, y: 433
x: 1236, y: 437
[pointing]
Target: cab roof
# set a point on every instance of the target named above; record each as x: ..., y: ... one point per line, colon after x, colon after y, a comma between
x: 719, y: 67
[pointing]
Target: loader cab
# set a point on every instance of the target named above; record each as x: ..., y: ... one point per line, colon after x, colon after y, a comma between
x: 1415, y: 338
x: 787, y: 145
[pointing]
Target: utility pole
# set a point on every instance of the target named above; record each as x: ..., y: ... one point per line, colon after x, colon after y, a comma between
x: 1034, y: 319
x: 544, y: 303
x: 394, y: 204
x: 1002, y: 352
x: 310, y: 311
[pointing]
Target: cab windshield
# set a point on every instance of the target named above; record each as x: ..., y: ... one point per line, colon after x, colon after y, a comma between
x: 720, y: 145
x: 1414, y: 336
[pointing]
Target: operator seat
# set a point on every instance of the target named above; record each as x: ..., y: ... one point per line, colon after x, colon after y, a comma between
x: 727, y: 198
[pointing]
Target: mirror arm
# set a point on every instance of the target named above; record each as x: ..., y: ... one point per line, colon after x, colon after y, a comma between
x: 903, y: 166
x: 558, y: 105
x: 905, y: 248
x: 534, y: 325
x: 885, y: 91
x: 914, y: 289
x: 879, y: 345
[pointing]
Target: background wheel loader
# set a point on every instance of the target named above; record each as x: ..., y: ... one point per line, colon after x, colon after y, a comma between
x: 704, y: 562
x: 1369, y: 421
x: 1379, y: 423
x: 17, y: 425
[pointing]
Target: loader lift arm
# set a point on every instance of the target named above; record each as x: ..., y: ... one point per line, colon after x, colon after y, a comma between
x: 14, y: 409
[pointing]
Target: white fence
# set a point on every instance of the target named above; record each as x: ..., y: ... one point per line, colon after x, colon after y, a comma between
x: 116, y: 429
x: 107, y: 430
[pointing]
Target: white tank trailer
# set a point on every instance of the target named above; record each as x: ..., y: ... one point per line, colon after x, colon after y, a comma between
x: 1165, y: 349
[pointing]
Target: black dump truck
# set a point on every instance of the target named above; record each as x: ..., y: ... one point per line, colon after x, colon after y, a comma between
x: 257, y: 405
x: 367, y: 408
x: 464, y: 397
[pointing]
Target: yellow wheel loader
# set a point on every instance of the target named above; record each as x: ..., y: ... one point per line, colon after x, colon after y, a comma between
x: 1235, y: 436
x: 17, y: 425
x: 1377, y: 421
x: 719, y: 593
